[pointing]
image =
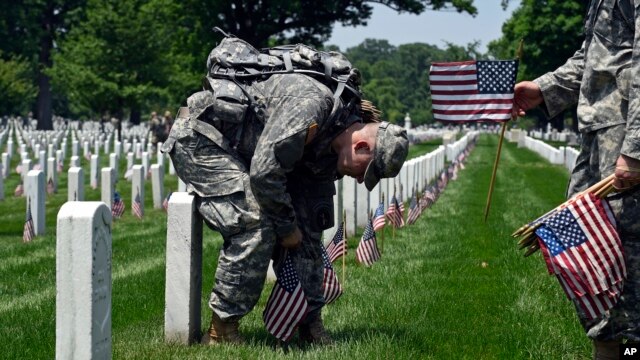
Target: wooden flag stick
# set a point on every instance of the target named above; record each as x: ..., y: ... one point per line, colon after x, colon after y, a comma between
x: 382, y: 232
x: 344, y: 237
x: 495, y: 169
x: 495, y: 165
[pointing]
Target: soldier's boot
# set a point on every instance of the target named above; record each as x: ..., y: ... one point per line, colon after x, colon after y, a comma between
x: 222, y: 332
x: 314, y: 332
x: 606, y: 350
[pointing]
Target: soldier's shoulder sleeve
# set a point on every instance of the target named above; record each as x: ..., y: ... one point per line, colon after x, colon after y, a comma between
x: 561, y: 88
x: 631, y: 144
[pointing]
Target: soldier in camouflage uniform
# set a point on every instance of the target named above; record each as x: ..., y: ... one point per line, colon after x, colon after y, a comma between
x: 267, y: 183
x: 603, y: 78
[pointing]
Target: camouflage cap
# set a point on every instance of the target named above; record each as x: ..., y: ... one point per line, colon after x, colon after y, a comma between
x: 390, y: 152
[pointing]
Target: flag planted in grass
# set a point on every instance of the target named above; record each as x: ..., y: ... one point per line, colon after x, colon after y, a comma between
x: 117, y: 208
x: 367, y: 252
x: 338, y: 246
x: 473, y: 90
x: 378, y: 217
x: 50, y: 187
x: 287, y: 304
x: 582, y: 248
x: 414, y: 210
x: 330, y: 285
x: 136, y: 205
x: 394, y: 214
x: 28, y: 232
x: 19, y: 190
x: 165, y: 202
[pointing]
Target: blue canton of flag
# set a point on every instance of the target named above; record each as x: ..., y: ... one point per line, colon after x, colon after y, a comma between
x: 287, y: 304
x: 330, y: 285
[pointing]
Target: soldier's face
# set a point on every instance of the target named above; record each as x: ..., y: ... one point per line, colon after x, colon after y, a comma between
x: 355, y: 163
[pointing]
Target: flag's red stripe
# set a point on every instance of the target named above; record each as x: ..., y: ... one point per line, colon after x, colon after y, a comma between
x: 472, y: 112
x: 454, y: 92
x: 454, y: 63
x: 453, y: 82
x: 470, y: 102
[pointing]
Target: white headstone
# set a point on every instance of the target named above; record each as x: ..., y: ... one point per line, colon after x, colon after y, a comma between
x: 6, y: 163
x: 160, y: 155
x: 10, y: 148
x: 75, y: 148
x: 183, y: 270
x: 1, y: 186
x: 50, y: 151
x: 86, y: 149
x: 75, y: 161
x: 113, y: 163
x: 118, y: 149
x: 83, y: 281
x: 95, y: 177
x: 108, y: 179
x: 157, y: 185
x: 146, y: 161
x: 42, y: 160
x: 26, y: 166
x: 130, y: 160
x: 137, y: 185
x: 75, y: 184
x: 36, y: 197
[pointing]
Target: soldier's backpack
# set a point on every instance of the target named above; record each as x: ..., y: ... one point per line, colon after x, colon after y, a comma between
x: 234, y: 60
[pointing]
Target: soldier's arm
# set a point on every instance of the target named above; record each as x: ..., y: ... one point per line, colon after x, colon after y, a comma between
x: 561, y: 88
x: 631, y: 144
x: 280, y: 147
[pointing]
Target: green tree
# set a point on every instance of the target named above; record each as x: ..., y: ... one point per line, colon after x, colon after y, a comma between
x: 16, y: 87
x: 552, y: 31
x: 29, y: 29
x: 123, y: 58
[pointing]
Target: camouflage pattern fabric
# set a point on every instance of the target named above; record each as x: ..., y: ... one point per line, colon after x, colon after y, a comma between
x: 601, y: 78
x: 273, y: 181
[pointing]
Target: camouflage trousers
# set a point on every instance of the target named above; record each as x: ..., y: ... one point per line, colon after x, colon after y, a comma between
x: 598, y: 154
x: 227, y: 204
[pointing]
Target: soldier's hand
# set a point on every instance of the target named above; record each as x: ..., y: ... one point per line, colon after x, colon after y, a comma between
x: 526, y: 96
x: 627, y: 173
x: 293, y: 240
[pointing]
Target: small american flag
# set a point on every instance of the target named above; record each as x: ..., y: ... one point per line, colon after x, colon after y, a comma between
x: 59, y: 167
x: 117, y: 208
x: 330, y: 285
x: 582, y: 248
x: 443, y: 179
x: 287, y: 304
x: 428, y: 198
x: 414, y: 210
x: 19, y: 169
x: 473, y: 90
x: 28, y: 232
x: 165, y: 202
x: 338, y: 246
x: 87, y: 155
x: 50, y: 187
x: 452, y: 172
x: 378, y: 217
x: 136, y: 206
x: 367, y: 252
x: 394, y: 214
x: 400, y: 204
x: 19, y: 190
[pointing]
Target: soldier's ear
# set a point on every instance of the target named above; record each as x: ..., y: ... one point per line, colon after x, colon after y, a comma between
x: 361, y: 146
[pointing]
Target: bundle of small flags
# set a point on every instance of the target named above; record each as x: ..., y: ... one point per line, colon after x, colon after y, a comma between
x: 581, y: 247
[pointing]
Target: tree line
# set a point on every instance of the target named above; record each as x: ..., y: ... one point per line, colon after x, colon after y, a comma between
x: 92, y: 59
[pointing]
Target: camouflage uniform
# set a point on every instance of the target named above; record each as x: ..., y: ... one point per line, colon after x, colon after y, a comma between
x: 267, y: 178
x: 603, y: 79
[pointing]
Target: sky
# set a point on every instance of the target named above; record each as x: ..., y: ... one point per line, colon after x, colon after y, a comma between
x: 432, y: 27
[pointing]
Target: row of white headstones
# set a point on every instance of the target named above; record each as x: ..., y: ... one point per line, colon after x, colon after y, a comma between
x: 83, y: 265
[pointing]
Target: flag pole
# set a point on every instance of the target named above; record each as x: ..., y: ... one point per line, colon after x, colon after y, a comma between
x: 382, y: 232
x: 393, y: 228
x: 344, y: 236
x: 495, y: 164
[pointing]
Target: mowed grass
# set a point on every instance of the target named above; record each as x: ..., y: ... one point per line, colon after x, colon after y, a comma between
x: 448, y: 287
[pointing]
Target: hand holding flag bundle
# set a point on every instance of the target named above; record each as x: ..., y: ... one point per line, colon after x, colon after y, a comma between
x: 580, y: 246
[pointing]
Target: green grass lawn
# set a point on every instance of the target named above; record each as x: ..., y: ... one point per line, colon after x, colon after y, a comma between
x: 447, y: 287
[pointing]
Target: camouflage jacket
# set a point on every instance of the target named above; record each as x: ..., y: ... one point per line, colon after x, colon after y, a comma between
x: 288, y: 151
x: 603, y: 76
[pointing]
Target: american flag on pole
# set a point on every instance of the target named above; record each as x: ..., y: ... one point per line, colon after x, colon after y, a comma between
x: 338, y: 246
x: 28, y: 232
x: 582, y: 248
x: 19, y: 190
x: 330, y: 285
x: 473, y: 90
x: 378, y: 217
x: 117, y: 208
x: 367, y: 252
x: 394, y: 214
x: 50, y: 187
x: 136, y: 206
x: 59, y: 166
x: 287, y: 304
x: 414, y: 210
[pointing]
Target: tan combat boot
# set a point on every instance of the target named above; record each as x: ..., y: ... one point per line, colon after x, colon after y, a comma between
x: 315, y: 333
x: 222, y: 332
x: 606, y: 350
